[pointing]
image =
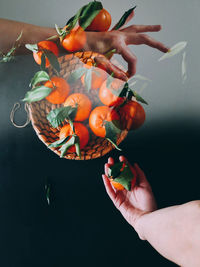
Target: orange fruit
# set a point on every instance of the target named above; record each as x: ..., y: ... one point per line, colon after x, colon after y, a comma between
x: 75, y: 40
x: 101, y: 23
x: 98, y: 77
x: 47, y: 45
x: 132, y: 115
x: 80, y: 130
x: 119, y: 187
x: 60, y: 90
x: 83, y: 104
x: 109, y: 96
x: 98, y: 118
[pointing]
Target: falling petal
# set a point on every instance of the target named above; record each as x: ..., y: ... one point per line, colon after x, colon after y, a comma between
x: 177, y: 48
x: 142, y: 78
x: 184, y: 68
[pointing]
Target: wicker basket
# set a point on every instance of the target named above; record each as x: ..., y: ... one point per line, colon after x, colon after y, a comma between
x: 97, y: 147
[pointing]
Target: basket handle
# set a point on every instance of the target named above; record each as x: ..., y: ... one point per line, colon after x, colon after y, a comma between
x: 12, y: 114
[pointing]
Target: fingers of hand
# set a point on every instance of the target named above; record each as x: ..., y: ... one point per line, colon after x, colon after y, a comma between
x: 130, y: 58
x: 110, y: 68
x: 146, y: 39
x: 142, y: 28
x: 110, y: 191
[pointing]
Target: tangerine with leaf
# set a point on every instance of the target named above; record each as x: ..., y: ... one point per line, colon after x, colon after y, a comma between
x: 80, y: 130
x: 83, y: 104
x: 110, y: 95
x: 132, y: 115
x: 98, y: 76
x: 45, y: 45
x: 60, y: 90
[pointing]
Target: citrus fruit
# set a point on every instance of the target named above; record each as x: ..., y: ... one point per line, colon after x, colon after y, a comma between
x: 98, y: 77
x: 83, y: 104
x: 132, y: 115
x: 98, y: 118
x: 110, y: 96
x: 80, y: 130
x: 46, y: 45
x: 60, y: 90
x: 101, y: 23
x: 75, y: 40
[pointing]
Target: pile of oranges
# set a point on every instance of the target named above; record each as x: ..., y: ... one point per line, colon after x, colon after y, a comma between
x: 115, y: 112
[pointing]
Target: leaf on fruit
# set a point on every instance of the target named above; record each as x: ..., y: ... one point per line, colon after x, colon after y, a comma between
x: 128, y: 15
x: 72, y: 22
x: 57, y: 116
x: 67, y: 145
x: 138, y: 97
x: 40, y: 76
x: 115, y: 170
x: 52, y: 59
x: 125, y: 178
x: 59, y: 143
x: 37, y: 94
x: 112, y: 132
x: 89, y: 12
x: 77, y: 146
x: 184, y: 68
x: 76, y: 75
x: 32, y: 47
x: 43, y: 62
x: 88, y: 79
x: 177, y: 48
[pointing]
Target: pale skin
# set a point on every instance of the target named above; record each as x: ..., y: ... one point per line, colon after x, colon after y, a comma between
x: 101, y: 42
x: 174, y: 231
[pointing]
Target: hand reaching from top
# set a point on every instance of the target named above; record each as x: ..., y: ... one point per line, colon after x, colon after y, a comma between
x: 132, y: 204
x: 103, y: 42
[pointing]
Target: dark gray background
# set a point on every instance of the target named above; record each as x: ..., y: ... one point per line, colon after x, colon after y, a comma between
x: 81, y: 227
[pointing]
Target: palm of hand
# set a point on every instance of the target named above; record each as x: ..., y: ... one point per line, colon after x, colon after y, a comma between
x: 132, y: 204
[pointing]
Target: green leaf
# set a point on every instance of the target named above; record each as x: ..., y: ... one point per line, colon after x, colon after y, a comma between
x: 52, y: 59
x: 72, y: 22
x: 60, y: 142
x: 47, y: 192
x: 12, y: 50
x: 115, y: 170
x: 77, y: 74
x: 67, y: 145
x: 124, y: 91
x: 112, y: 132
x: 57, y: 116
x: 124, y: 18
x: 138, y: 97
x: 32, y: 47
x: 40, y: 76
x: 125, y: 178
x: 37, y: 94
x: 77, y: 146
x: 58, y: 29
x: 19, y: 36
x: 89, y: 12
x: 88, y: 79
x: 43, y: 62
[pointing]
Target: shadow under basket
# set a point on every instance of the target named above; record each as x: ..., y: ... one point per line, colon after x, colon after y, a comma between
x: 97, y: 146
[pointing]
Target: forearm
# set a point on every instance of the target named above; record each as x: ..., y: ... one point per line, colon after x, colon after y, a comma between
x: 10, y: 30
x: 174, y: 232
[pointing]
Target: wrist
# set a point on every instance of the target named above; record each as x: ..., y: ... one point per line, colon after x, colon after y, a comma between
x: 139, y: 225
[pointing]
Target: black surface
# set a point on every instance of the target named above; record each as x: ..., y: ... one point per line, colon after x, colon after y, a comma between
x: 81, y: 227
